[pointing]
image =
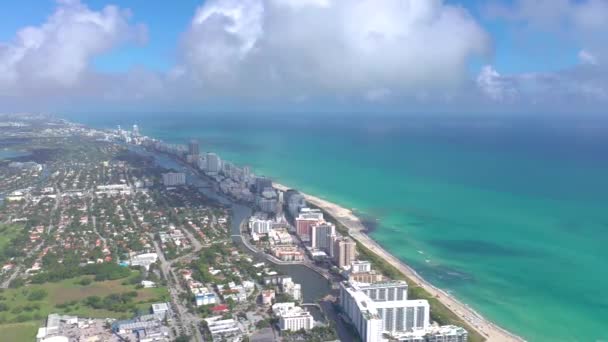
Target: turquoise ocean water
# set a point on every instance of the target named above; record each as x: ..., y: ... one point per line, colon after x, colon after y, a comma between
x: 508, y: 214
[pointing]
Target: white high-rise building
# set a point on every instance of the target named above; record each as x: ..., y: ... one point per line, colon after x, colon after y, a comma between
x: 362, y: 313
x: 389, y: 291
x: 260, y: 226
x: 322, y: 236
x: 292, y: 317
x: 386, y: 302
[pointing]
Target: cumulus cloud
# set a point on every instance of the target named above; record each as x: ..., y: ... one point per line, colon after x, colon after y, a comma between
x: 57, y: 54
x: 579, y: 22
x: 496, y: 86
x: 348, y: 53
x: 339, y: 47
x: 581, y: 87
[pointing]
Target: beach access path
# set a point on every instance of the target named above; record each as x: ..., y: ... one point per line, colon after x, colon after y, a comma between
x: 356, y: 230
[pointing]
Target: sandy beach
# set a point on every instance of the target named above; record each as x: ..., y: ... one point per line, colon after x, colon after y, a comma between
x: 356, y: 229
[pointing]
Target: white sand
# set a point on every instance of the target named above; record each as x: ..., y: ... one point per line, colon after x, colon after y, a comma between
x: 357, y: 231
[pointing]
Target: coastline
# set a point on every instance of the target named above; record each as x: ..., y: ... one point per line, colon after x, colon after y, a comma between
x: 356, y: 229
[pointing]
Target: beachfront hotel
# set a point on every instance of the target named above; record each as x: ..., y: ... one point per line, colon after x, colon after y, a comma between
x: 322, y: 237
x: 383, y: 309
x: 362, y: 313
x: 305, y: 220
x: 383, y: 312
x: 344, y: 251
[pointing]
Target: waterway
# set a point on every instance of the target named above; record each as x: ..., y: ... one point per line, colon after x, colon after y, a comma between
x: 314, y: 286
x: 6, y: 153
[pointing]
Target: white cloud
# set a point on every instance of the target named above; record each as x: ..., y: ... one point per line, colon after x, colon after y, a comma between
x: 587, y: 58
x: 576, y: 22
x: 396, y: 54
x: 582, y: 85
x: 57, y: 54
x: 274, y: 48
x: 494, y: 85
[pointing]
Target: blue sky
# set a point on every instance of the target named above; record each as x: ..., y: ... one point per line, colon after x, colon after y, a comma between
x: 514, y: 51
x: 165, y: 26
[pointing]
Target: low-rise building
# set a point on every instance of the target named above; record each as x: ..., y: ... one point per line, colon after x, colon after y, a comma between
x: 360, y: 266
x: 267, y: 297
x: 223, y: 329
x: 292, y: 317
x: 288, y: 253
x: 280, y: 237
x: 370, y: 277
x: 144, y: 260
x: 446, y: 333
x: 205, y: 298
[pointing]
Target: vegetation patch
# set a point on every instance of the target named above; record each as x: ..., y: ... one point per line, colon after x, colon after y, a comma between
x: 19, y: 331
x: 35, y: 302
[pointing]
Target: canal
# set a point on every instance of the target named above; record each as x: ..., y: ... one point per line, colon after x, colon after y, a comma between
x: 314, y: 286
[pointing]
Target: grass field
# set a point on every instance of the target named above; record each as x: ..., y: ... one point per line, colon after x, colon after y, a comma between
x: 15, y: 306
x: 19, y: 331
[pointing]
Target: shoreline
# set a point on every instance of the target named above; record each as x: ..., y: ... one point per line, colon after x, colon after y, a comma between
x: 356, y: 229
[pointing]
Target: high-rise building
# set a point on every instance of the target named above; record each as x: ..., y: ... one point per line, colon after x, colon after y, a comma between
x: 386, y: 302
x: 344, y: 251
x: 262, y: 183
x: 361, y: 312
x: 267, y: 201
x: 268, y: 205
x: 174, y: 178
x: 322, y: 236
x: 260, y: 226
x: 135, y: 131
x: 193, y: 148
x: 388, y: 291
x: 295, y: 202
x: 214, y: 163
x: 247, y: 178
x: 305, y: 220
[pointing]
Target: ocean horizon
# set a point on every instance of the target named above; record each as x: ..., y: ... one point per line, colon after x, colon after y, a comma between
x: 506, y: 213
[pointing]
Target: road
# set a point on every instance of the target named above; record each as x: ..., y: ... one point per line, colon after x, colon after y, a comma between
x: 55, y: 207
x: 36, y: 249
x: 187, y: 321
